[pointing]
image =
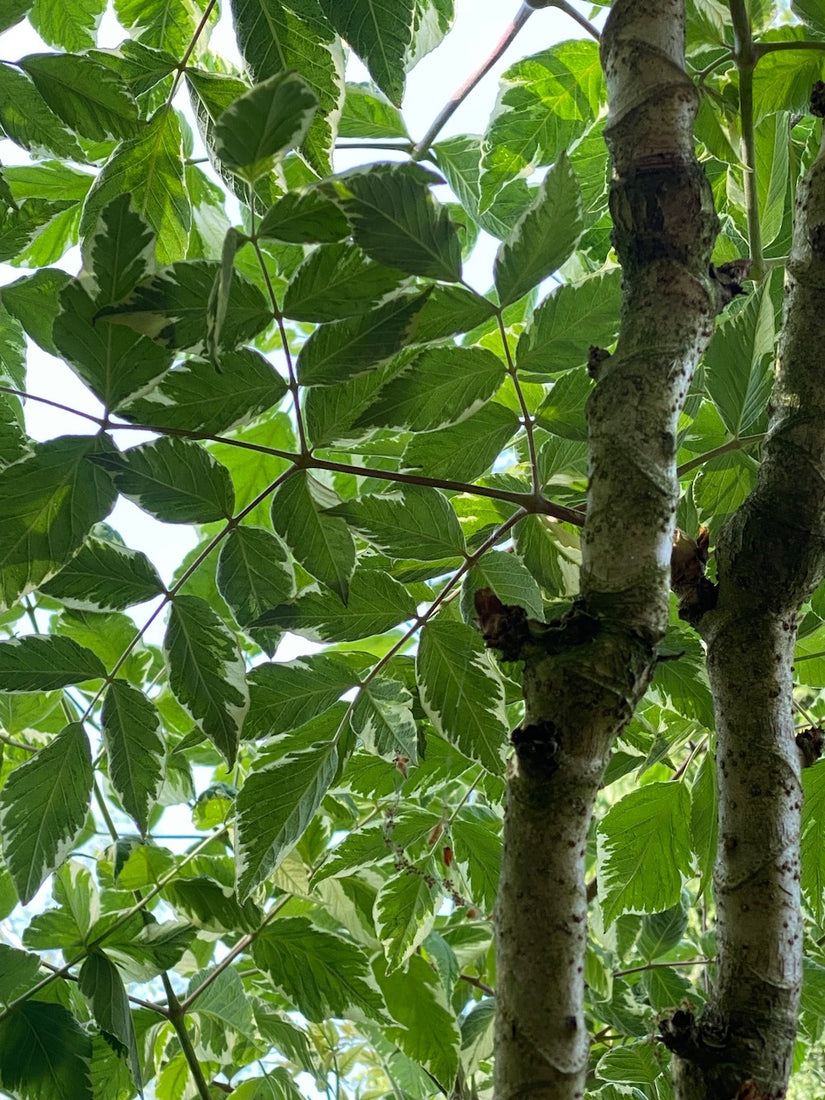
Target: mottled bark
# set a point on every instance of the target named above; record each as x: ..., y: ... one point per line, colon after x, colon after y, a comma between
x: 770, y: 557
x: 584, y: 675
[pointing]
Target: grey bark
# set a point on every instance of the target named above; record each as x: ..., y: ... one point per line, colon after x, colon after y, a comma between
x: 584, y: 675
x: 770, y: 558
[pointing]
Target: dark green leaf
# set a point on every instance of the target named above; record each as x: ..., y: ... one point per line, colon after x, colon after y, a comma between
x: 305, y: 216
x: 375, y: 604
x: 397, y: 222
x: 175, y: 480
x: 42, y: 662
x: 462, y: 692
x: 104, y: 576
x: 320, y: 972
x: 71, y: 25
x: 287, y: 694
x: 568, y: 321
x: 87, y: 96
x: 33, y: 300
x: 337, y: 281
x: 440, y: 386
x: 405, y: 914
x: 562, y: 411
x: 43, y: 808
x: 509, y: 578
x: 44, y: 1053
x: 150, y: 167
x: 320, y: 543
x: 544, y: 237
x: 380, y: 34
x: 193, y: 395
x: 254, y: 573
x: 165, y: 24
x: 48, y: 502
x: 100, y: 981
x: 297, y: 37
x: 280, y: 797
x: 466, y: 450
x: 414, y: 523
x: 172, y: 308
x: 28, y: 121
x: 206, y: 671
x: 131, y: 733
x: 263, y: 124
x: 18, y: 971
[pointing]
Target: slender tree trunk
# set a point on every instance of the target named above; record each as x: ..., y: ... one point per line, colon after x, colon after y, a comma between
x: 770, y: 557
x: 584, y: 675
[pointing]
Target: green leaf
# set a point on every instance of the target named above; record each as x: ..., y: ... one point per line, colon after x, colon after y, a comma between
x: 341, y: 350
x: 321, y: 973
x: 175, y: 480
x: 206, y: 671
x: 172, y: 307
x: 462, y: 692
x: 380, y: 34
x: 440, y: 386
x: 722, y: 485
x: 220, y: 1002
x: 509, y: 578
x: 286, y: 694
x: 635, y: 1064
x: 33, y: 300
x: 661, y: 932
x: 100, y: 981
x: 71, y: 24
x: 459, y: 159
x: 280, y: 796
x: 738, y: 361
x: 28, y: 121
x: 415, y: 522
x: 397, y: 222
x: 544, y: 237
x: 476, y: 835
x: 466, y: 450
x: 43, y: 808
x: 131, y: 733
x: 307, y: 215
x: 89, y: 97
x: 42, y: 662
x: 427, y: 1031
x: 12, y: 11
x: 112, y: 361
x: 18, y: 971
x: 68, y: 925
x: 375, y: 604
x: 568, y: 321
x: 545, y: 104
x: 320, y: 543
x: 368, y: 115
x: 644, y: 850
x: 193, y: 395
x: 104, y: 576
x: 337, y: 281
x: 266, y: 122
x: 297, y: 37
x: 212, y: 906
x: 683, y: 678
x: 44, y: 1053
x: 254, y: 573
x: 812, y: 851
x: 166, y: 24
x: 562, y: 411
x: 405, y: 914
x: 48, y: 502
x: 382, y: 718
x: 150, y: 168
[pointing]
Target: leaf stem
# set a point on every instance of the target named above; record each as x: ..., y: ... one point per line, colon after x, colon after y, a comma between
x: 661, y: 965
x: 184, y: 61
x: 526, y: 416
x: 738, y: 444
x: 177, y: 1017
x: 745, y: 56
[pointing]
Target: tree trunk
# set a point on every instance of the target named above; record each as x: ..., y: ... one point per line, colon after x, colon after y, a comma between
x: 584, y: 675
x: 770, y: 558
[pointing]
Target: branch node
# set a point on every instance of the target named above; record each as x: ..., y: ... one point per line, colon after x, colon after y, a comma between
x: 688, y: 560
x: 596, y: 358
x: 810, y: 742
x: 730, y: 277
